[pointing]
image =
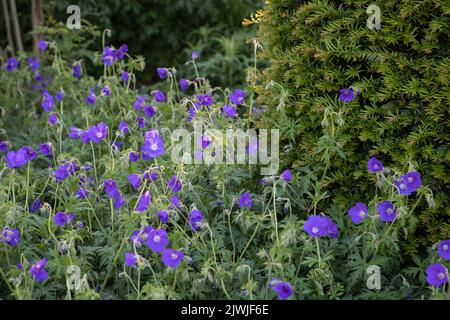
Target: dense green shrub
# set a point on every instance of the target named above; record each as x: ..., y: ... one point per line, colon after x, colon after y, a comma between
x: 401, y: 115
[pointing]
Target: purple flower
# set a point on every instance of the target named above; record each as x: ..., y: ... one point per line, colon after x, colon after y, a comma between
x: 237, y: 96
x: 153, y: 146
x: 98, y: 133
x: 81, y: 193
x: 33, y: 63
x: 11, y: 64
x: 62, y: 218
x: 144, y: 202
x: 195, y: 55
x: 106, y: 91
x: 195, y: 219
x: 317, y: 226
x: 140, y: 121
x: 108, y: 56
x: 59, y: 96
x: 205, y: 100
x: 35, y: 206
x: 184, y: 84
x: 91, y: 98
x: 15, y: 159
x: 229, y: 110
x: 245, y: 200
x: 286, y: 176
x: 134, y: 180
x: 149, y: 111
x: 408, y: 183
x: 162, y: 72
x: 119, y: 201
x: 125, y: 76
x: 123, y: 127
x: 331, y: 228
x: 283, y: 289
x: 10, y: 236
x: 131, y: 259
x: 133, y: 156
x: 38, y: 270
x: 45, y: 148
x: 47, y: 102
x: 444, y: 249
x: 75, y: 133
x: 52, y: 119
x: 204, y: 141
x: 386, y: 211
x: 4, y: 146
x: 174, y: 202
x: 192, y: 113
x: 346, y: 95
x: 77, y: 71
x: 110, y: 187
x: 159, y: 96
x: 358, y: 213
x: 163, y: 215
x: 121, y: 51
x: 437, y: 275
x: 138, y: 237
x: 174, y: 184
x: 157, y: 240
x: 139, y: 102
x: 172, y: 258
x: 42, y: 45
x: 374, y: 165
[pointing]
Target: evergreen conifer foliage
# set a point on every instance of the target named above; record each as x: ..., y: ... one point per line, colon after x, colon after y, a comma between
x: 399, y: 71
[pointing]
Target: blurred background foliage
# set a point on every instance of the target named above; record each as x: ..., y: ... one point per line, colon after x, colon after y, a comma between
x: 164, y: 32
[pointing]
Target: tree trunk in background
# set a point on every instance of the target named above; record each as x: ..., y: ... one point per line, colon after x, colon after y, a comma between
x: 15, y: 20
x: 37, y: 15
x: 8, y: 26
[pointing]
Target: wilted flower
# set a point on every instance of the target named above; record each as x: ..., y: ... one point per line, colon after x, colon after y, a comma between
x: 10, y: 236
x: 237, y: 96
x: 125, y: 76
x: 346, y: 95
x: 162, y: 72
x: 4, y: 146
x: 245, y: 200
x: 157, y: 240
x: 139, y: 102
x: 38, y: 270
x: 133, y: 156
x: 437, y: 275
x: 195, y: 55
x: 144, y: 202
x: 386, y: 211
x: 140, y: 121
x: 283, y: 289
x: 444, y: 249
x: 374, y: 165
x: 174, y: 201
x: 123, y: 127
x: 35, y: 206
x: 81, y: 193
x: 59, y: 96
x: 98, y: 133
x: 195, y: 219
x: 119, y: 201
x: 358, y: 213
x: 172, y: 258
